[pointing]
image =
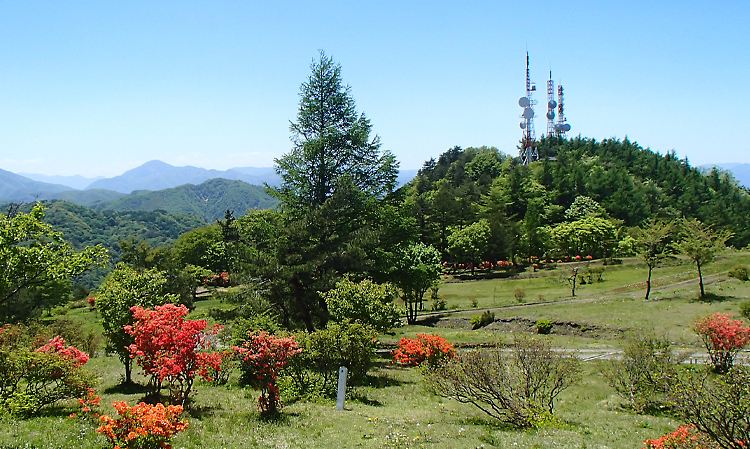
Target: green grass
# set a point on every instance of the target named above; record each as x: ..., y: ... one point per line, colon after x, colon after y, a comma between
x: 396, y: 411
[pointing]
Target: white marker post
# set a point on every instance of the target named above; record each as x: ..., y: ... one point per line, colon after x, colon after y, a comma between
x: 340, y: 398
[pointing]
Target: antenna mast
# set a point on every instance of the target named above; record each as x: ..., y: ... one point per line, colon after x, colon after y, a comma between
x: 562, y: 126
x: 551, y: 104
x: 528, y: 152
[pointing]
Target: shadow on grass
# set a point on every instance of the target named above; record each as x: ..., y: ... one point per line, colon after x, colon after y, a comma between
x: 127, y: 388
x: 360, y: 397
x: 200, y: 412
x: 713, y: 297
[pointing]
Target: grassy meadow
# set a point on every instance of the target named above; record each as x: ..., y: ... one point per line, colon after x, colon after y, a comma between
x: 394, y: 410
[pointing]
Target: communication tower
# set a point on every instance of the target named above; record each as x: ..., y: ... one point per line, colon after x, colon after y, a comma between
x: 551, y: 104
x: 528, y: 152
x: 562, y: 126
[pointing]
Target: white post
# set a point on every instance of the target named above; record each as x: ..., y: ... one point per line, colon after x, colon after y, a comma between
x: 342, y: 388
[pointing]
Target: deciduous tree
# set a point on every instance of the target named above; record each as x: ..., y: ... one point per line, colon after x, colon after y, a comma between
x: 701, y: 244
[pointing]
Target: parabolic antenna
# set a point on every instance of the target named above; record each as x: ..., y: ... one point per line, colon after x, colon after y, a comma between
x: 566, y: 127
x: 528, y: 113
x: 558, y: 127
x: 522, y: 125
x: 550, y: 114
x: 552, y: 104
x: 523, y: 102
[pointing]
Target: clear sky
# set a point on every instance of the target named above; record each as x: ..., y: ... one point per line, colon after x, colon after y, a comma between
x: 97, y: 88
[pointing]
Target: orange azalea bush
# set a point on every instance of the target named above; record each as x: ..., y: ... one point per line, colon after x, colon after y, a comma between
x: 142, y: 426
x: 426, y: 348
x: 686, y: 437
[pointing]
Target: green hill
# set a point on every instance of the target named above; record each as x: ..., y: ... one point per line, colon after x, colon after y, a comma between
x: 83, y: 226
x: 208, y: 200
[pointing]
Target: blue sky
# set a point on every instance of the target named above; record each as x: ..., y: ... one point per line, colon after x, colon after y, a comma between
x: 101, y: 87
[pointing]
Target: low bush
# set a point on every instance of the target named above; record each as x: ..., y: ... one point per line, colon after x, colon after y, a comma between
x: 644, y: 375
x: 723, y: 338
x: 686, y: 437
x: 315, y: 370
x: 517, y: 387
x: 718, y: 406
x: 75, y: 334
x: 428, y: 349
x: 33, y: 376
x: 520, y: 294
x: 745, y: 308
x: 739, y: 272
x: 482, y: 320
x: 543, y: 326
x: 364, y: 302
x: 142, y: 426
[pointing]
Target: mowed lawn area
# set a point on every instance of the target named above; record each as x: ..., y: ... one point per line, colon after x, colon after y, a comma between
x: 395, y: 410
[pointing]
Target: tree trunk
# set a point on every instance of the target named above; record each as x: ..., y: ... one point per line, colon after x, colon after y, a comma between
x: 700, y: 280
x: 648, y: 282
x: 128, y: 369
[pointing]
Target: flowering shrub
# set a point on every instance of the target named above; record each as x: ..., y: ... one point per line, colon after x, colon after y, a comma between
x: 426, y: 348
x: 218, y: 280
x: 168, y: 347
x: 686, y: 437
x: 261, y: 357
x: 57, y: 345
x: 31, y: 378
x: 89, y: 406
x: 723, y: 338
x: 92, y: 302
x: 142, y: 426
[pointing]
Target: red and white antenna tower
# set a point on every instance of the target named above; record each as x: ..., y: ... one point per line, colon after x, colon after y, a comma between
x: 562, y: 126
x: 528, y: 152
x: 551, y: 104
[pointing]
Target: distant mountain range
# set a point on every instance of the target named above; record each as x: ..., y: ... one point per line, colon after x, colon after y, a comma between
x: 153, y: 176
x: 156, y: 186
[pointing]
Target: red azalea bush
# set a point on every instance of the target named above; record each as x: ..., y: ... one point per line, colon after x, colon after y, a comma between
x: 686, y: 437
x: 169, y: 347
x: 33, y: 376
x: 723, y: 338
x: 426, y: 348
x: 92, y: 302
x: 218, y: 280
x: 262, y: 356
x: 142, y: 426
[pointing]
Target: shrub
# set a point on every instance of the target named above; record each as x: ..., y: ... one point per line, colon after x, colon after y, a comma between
x: 31, y: 378
x: 745, y: 308
x: 520, y: 294
x: 543, y: 326
x: 142, y: 426
x: 686, y: 437
x: 482, y: 320
x: 474, y: 303
x: 169, y: 347
x: 315, y: 371
x: 643, y: 376
x: 740, y: 273
x: 365, y: 302
x: 438, y: 304
x: 718, y: 406
x: 518, y: 388
x: 723, y: 338
x: 428, y: 349
x: 262, y: 356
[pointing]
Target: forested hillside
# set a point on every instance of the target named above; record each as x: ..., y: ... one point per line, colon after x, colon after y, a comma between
x: 524, y: 205
x: 209, y: 200
x: 82, y: 226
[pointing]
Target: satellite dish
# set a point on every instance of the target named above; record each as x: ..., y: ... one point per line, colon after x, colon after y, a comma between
x: 558, y: 127
x: 528, y: 113
x: 552, y: 104
x: 523, y: 125
x: 523, y: 102
x: 566, y: 127
x: 550, y: 114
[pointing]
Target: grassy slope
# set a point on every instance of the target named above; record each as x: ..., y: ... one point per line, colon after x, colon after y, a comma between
x: 395, y: 411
